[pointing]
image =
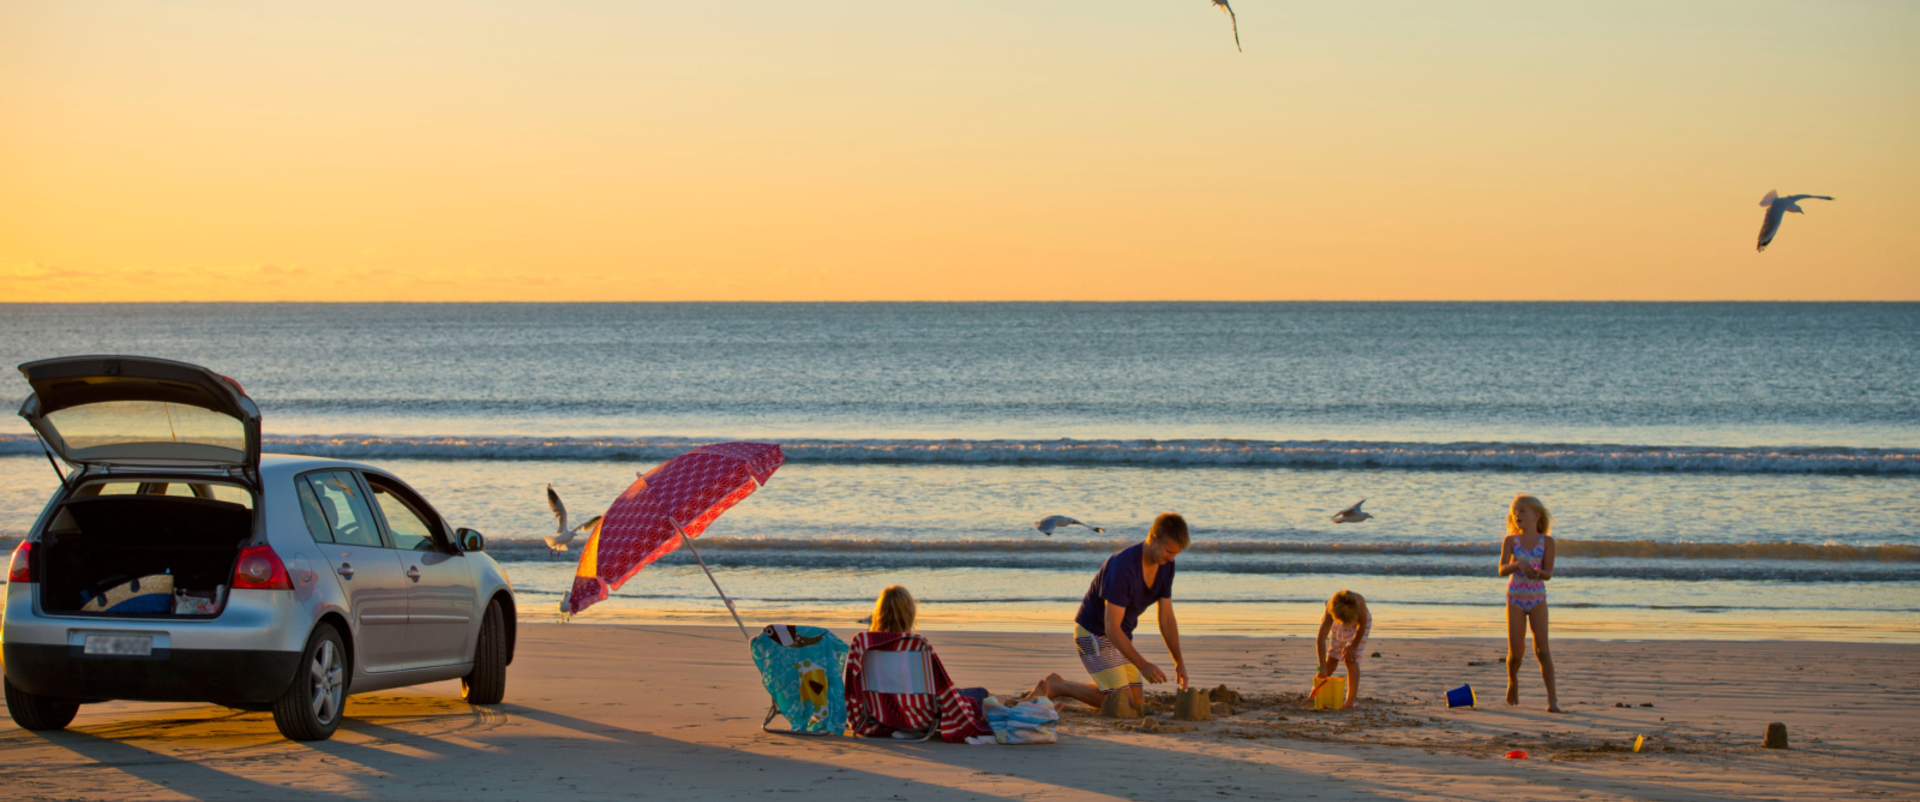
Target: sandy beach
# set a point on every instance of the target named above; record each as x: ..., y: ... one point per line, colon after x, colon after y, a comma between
x: 673, y: 712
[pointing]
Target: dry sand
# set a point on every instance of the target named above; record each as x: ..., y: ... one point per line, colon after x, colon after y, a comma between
x: 601, y: 712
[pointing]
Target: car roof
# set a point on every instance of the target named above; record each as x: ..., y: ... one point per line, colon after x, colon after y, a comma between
x: 287, y: 464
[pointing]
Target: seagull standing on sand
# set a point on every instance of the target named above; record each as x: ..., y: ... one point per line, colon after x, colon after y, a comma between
x: 1351, y: 515
x: 1048, y: 524
x: 559, y: 540
x: 1233, y: 19
x: 1776, y: 207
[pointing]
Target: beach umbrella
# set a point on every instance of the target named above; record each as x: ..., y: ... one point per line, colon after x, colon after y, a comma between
x: 665, y: 508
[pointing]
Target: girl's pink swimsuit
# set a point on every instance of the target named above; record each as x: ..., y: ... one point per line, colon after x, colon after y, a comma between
x: 1342, y: 636
x: 1523, y: 592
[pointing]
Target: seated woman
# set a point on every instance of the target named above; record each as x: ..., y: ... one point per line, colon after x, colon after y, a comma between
x: 878, y: 714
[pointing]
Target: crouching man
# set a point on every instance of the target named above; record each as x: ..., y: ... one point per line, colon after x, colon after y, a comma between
x: 1131, y: 580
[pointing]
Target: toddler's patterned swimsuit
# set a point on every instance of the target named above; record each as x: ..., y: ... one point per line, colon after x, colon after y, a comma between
x: 1342, y: 636
x: 1523, y: 592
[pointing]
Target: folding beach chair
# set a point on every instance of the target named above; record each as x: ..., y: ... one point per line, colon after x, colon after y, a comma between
x: 801, y: 668
x: 896, y: 684
x: 897, y: 694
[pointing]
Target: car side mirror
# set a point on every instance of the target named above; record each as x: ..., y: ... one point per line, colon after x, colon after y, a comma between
x: 470, y: 540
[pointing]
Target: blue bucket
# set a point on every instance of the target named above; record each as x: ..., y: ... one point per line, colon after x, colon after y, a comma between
x: 1460, y: 697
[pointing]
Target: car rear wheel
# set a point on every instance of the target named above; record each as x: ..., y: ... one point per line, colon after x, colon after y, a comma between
x: 35, y: 712
x: 487, y: 683
x: 311, y: 708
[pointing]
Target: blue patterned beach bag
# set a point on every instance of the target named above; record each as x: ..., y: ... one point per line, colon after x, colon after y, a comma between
x: 803, y: 669
x: 1035, y: 722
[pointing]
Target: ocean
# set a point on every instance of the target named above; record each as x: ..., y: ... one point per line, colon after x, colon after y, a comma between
x: 1715, y: 470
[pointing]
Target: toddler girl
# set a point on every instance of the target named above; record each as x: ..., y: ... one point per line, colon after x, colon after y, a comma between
x: 1343, y: 637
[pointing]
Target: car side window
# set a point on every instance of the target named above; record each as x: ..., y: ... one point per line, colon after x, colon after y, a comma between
x: 345, y: 508
x: 409, y: 528
x: 310, y: 510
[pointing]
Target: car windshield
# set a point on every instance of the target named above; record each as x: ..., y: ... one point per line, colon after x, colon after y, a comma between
x: 118, y: 423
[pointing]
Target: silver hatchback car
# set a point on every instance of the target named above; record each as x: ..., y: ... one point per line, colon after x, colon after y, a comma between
x: 178, y: 563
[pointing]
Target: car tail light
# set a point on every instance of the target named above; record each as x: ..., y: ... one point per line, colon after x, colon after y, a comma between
x: 260, y: 569
x: 21, y: 569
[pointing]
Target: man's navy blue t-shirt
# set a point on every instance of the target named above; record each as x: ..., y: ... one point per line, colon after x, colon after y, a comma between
x: 1122, y: 582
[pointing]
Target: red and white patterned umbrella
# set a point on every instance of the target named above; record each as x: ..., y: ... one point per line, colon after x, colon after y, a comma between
x: 667, y: 506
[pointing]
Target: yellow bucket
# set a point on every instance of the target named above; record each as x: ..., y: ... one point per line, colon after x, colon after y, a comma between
x: 1330, y: 693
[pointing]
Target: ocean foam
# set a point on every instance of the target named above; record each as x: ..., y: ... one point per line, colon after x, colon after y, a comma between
x: 1619, y: 549
x: 1635, y: 559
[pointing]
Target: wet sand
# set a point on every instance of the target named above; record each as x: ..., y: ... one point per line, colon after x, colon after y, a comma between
x: 673, y: 712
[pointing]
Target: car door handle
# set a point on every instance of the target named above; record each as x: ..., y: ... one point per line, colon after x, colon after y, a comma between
x: 345, y: 570
x: 413, y: 573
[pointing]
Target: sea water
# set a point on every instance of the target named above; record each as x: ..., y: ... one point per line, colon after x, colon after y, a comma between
x: 1715, y: 470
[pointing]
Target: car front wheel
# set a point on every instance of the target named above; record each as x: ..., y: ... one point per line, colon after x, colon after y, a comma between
x: 487, y: 683
x: 311, y: 708
x: 35, y: 712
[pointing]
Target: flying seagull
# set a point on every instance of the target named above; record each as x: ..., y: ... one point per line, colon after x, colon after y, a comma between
x: 1351, y: 515
x: 1048, y: 524
x: 1231, y: 18
x: 559, y: 540
x: 1777, y: 206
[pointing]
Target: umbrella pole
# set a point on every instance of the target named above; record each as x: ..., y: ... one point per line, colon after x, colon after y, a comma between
x: 716, y: 583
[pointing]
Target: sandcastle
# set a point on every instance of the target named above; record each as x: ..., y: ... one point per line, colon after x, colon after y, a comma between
x: 1119, y: 704
x: 1193, y: 704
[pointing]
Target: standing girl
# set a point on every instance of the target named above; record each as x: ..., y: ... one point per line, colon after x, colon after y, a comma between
x: 1526, y: 558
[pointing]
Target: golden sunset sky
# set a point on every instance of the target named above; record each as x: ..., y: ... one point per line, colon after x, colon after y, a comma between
x: 956, y: 150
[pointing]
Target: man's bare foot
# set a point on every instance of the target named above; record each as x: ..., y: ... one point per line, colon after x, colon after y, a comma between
x: 1553, y: 707
x: 1513, y: 694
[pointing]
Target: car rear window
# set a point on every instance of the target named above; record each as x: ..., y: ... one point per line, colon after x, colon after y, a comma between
x: 110, y: 423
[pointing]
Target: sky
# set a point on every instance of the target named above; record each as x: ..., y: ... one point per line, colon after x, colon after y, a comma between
x: 775, y: 150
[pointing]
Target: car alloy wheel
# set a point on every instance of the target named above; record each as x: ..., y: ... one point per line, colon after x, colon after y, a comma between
x: 315, y: 702
x: 328, y: 675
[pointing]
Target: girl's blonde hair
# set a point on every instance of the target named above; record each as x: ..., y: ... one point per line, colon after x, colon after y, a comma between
x: 894, y: 611
x: 1344, y: 606
x: 1527, y: 502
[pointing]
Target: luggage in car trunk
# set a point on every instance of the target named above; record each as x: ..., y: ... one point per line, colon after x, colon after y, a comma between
x: 114, y: 555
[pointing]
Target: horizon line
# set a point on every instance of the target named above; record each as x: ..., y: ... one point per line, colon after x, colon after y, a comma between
x: 1015, y: 301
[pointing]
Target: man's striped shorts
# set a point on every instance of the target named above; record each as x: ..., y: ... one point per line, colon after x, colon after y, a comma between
x: 1110, y: 669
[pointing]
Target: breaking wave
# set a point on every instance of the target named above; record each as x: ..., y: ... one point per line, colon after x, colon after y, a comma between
x: 1627, y: 549
x: 1163, y: 453
x: 1637, y: 559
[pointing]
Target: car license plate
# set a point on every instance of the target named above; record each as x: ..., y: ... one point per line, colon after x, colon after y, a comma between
x: 120, y: 645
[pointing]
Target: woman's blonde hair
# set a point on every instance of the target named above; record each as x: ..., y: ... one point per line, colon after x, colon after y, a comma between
x: 894, y: 611
x: 1527, y: 502
x: 1344, y: 606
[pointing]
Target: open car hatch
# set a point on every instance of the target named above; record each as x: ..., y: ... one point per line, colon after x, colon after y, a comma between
x: 142, y: 411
